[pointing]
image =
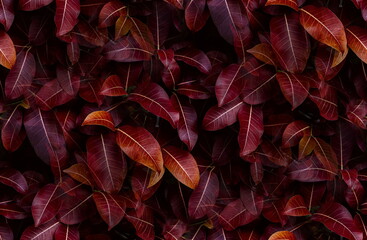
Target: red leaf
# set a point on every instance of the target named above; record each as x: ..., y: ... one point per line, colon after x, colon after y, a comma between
x: 294, y: 87
x: 13, y: 178
x: 220, y: 117
x: 296, y: 207
x: 92, y: 34
x: 357, y: 41
x: 6, y: 13
x: 187, y: 123
x: 140, y: 146
x: 182, y: 165
x: 193, y: 91
x: 327, y: 104
x: 44, y: 134
x: 171, y: 72
x: 195, y: 58
x: 142, y: 35
x: 293, y: 133
x: 76, y: 209
x: 7, y: 51
x: 159, y: 22
x: 106, y: 162
x: 154, y: 99
x: 203, y: 198
x: 196, y: 14
x: 177, y: 3
x: 101, y: 118
x: 326, y: 155
x: 264, y: 52
x: 31, y: 5
x: 229, y: 83
x: 140, y: 182
x: 81, y: 173
x: 290, y: 42
x: 252, y: 201
x: 273, y: 211
x: 355, y: 192
x: 338, y: 219
x: 12, y: 134
x: 12, y: 211
x: 322, y: 24
x: 67, y: 232
x: 73, y: 51
x: 324, y: 63
x: 110, y: 207
x: 174, y: 229
x: 112, y: 87
x: 235, y: 215
x: 5, y: 232
x: 289, y: 3
x: 356, y: 112
x: 126, y: 49
x: 66, y: 16
x: 45, y: 231
x: 110, y: 12
x: 251, y: 128
x: 282, y: 235
x: 143, y: 223
x: 45, y: 204
x: 21, y: 75
x: 69, y: 81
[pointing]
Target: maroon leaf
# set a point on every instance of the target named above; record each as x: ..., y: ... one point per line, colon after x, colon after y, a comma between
x: 338, y: 219
x: 293, y: 133
x: 45, y: 204
x: 5, y: 232
x: 143, y: 223
x: 195, y: 58
x: 68, y: 80
x: 196, y: 14
x: 110, y: 207
x: 251, y: 201
x: 289, y: 3
x: 187, y: 123
x: 110, y: 13
x: 106, y: 162
x: 220, y: 117
x: 251, y: 128
x: 76, y: 209
x: 355, y: 193
x: 324, y: 63
x: 12, y: 134
x: 356, y: 37
x: 7, y: 13
x: 296, y: 206
x: 294, y: 87
x: 234, y: 215
x: 112, y: 87
x: 290, y: 42
x: 357, y: 112
x: 204, y: 196
x: 45, y: 231
x: 327, y: 104
x: 30, y: 5
x: 174, y: 229
x: 159, y: 22
x: 154, y: 99
x: 12, y: 211
x: 171, y: 71
x: 66, y: 16
x: 67, y: 232
x: 13, y: 178
x: 193, y: 91
x: 140, y: 182
x: 21, y: 75
x: 125, y: 49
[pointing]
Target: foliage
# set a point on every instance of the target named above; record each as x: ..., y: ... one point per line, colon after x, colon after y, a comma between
x: 183, y: 119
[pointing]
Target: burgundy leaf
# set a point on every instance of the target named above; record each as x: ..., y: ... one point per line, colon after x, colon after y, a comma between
x: 110, y: 207
x: 45, y: 204
x: 154, y: 99
x: 67, y: 232
x: 220, y: 117
x: 324, y: 63
x: 251, y: 128
x: 12, y: 211
x: 293, y: 133
x: 5, y: 232
x: 252, y: 201
x: 68, y: 80
x: 110, y: 13
x: 125, y: 49
x: 143, y: 223
x: 13, y: 178
x: 76, y: 209
x: 196, y: 14
x: 81, y: 173
x: 203, y: 198
x: 193, y: 91
x: 21, y: 75
x: 171, y: 72
x: 66, y: 16
x: 159, y: 22
x: 106, y: 162
x: 12, y: 134
x: 91, y: 34
x: 7, y: 13
x: 174, y: 229
x: 338, y: 219
x: 45, y: 231
x: 30, y: 5
x: 140, y: 182
x: 112, y: 87
x: 296, y: 206
x: 195, y: 58
x: 327, y: 104
x: 357, y: 112
x: 289, y: 3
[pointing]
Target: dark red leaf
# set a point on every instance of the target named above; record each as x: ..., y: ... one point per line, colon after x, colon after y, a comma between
x: 30, y: 5
x: 294, y: 132
x: 193, y: 91
x: 357, y: 41
x: 174, y: 229
x: 252, y: 201
x: 195, y: 58
x: 66, y: 16
x: 140, y: 184
x: 12, y: 134
x: 76, y: 209
x: 357, y: 112
x: 45, y: 231
x: 324, y: 63
x: 110, y: 12
x: 67, y: 232
x: 296, y: 207
x: 143, y: 223
x: 171, y: 72
x: 12, y: 211
x: 69, y: 81
x: 7, y: 13
x: 327, y: 104
x: 160, y: 21
x: 196, y: 14
x: 13, y: 178
x: 81, y: 173
x: 5, y: 232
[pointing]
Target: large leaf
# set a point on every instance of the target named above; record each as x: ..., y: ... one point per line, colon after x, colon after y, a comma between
x: 187, y: 124
x: 251, y: 128
x: 154, y: 99
x: 21, y: 75
x: 140, y: 146
x: 110, y: 207
x: 196, y: 14
x: 106, y: 162
x: 45, y: 204
x: 338, y: 219
x: 182, y: 165
x: 75, y: 210
x: 203, y: 198
x: 112, y: 87
x: 325, y: 154
x: 357, y: 41
x: 294, y: 87
x: 31, y: 5
x: 220, y: 117
x: 323, y: 25
x: 66, y: 16
x: 142, y: 35
x: 290, y: 42
x: 44, y: 134
x: 6, y: 13
x: 43, y: 232
x: 7, y: 51
x: 234, y: 215
x: 159, y: 22
x: 142, y: 220
x: 230, y: 83
x: 67, y: 232
x: 12, y: 134
x: 13, y: 178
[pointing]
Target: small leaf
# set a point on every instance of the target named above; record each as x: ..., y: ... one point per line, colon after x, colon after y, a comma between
x: 66, y: 16
x: 296, y: 207
x: 101, y: 118
x: 13, y: 178
x: 289, y: 3
x: 112, y: 87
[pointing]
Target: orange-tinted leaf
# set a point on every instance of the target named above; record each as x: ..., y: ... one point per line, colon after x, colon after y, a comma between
x: 326, y: 155
x: 81, y: 173
x: 12, y: 134
x: 101, y: 118
x: 182, y: 165
x: 296, y: 207
x: 323, y: 25
x: 282, y: 235
x: 110, y: 12
x: 123, y: 26
x: 140, y: 146
x: 142, y: 35
x: 357, y: 41
x: 7, y: 51
x: 306, y: 145
x: 264, y: 52
x: 112, y: 87
x: 289, y: 3
x: 293, y: 133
